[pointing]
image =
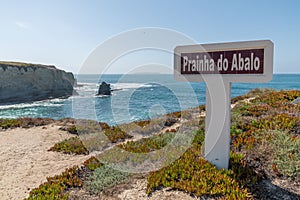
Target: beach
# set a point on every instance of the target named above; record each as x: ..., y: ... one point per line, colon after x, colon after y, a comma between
x: 25, y: 161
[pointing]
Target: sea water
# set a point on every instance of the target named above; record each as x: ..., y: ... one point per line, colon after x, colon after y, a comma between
x: 136, y: 97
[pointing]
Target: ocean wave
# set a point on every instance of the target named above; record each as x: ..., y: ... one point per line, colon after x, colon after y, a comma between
x: 130, y: 85
x: 44, y: 103
x: 86, y: 89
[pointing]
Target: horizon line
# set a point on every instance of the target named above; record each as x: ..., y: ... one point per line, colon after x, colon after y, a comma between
x: 276, y: 73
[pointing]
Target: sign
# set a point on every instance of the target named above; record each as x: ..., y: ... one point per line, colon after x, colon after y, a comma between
x: 223, y: 62
x: 218, y: 65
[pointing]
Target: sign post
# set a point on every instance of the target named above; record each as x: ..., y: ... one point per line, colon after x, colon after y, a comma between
x: 218, y: 65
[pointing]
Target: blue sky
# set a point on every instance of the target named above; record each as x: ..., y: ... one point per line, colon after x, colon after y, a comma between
x: 65, y: 32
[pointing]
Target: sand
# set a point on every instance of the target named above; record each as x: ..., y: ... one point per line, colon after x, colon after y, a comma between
x: 25, y: 161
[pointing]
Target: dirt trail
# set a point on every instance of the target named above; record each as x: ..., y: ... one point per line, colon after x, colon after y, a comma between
x: 25, y: 161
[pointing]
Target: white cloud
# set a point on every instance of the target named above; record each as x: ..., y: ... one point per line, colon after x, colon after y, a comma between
x: 21, y: 25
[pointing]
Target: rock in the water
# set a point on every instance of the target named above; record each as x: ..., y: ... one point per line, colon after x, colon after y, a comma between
x: 24, y: 82
x: 296, y: 101
x: 104, y: 89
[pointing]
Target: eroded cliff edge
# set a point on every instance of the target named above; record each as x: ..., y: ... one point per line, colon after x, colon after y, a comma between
x: 24, y: 82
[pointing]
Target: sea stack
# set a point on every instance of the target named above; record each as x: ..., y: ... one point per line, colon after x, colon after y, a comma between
x: 104, y: 89
x: 24, y: 82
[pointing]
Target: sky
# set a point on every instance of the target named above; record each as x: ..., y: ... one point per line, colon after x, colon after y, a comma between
x: 64, y: 33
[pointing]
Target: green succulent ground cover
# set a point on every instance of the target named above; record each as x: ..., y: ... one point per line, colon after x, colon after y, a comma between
x: 270, y: 123
x: 70, y: 146
x: 78, y: 145
x: 55, y: 186
x: 25, y: 122
x: 266, y: 128
x: 104, y: 177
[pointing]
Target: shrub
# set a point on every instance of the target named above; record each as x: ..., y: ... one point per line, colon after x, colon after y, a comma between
x: 287, y: 154
x: 10, y: 123
x: 116, y: 134
x: 55, y: 186
x: 146, y: 145
x: 83, y: 126
x: 104, y: 177
x: 25, y: 122
x: 252, y: 93
x: 193, y: 174
x: 175, y: 114
x: 142, y: 123
x: 72, y: 129
x: 276, y: 98
x: 277, y: 122
x: 255, y: 110
x: 270, y: 111
x: 104, y: 125
x: 92, y: 163
x: 199, y: 137
x: 70, y: 146
x: 240, y: 171
x: 91, y: 136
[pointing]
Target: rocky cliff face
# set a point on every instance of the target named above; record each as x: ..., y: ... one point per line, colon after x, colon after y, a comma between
x: 22, y: 82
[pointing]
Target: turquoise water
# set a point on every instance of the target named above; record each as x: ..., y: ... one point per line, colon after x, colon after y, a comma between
x: 140, y: 97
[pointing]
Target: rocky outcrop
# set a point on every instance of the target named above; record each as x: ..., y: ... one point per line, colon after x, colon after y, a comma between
x: 104, y: 89
x: 22, y: 82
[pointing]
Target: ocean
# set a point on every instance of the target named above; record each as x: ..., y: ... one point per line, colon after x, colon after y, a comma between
x: 137, y: 97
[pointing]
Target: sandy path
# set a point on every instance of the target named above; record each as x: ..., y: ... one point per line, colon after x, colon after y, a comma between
x: 25, y: 162
x: 138, y: 192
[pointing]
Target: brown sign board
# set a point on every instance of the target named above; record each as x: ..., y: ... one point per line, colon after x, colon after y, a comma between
x: 250, y: 61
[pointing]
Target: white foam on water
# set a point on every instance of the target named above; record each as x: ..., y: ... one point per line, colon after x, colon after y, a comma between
x: 87, y: 87
x: 44, y: 103
x: 83, y: 84
x: 90, y: 89
x: 85, y: 90
x: 102, y: 96
x: 130, y: 85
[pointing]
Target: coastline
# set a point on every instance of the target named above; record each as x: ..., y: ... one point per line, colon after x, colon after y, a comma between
x: 52, y: 132
x: 27, y: 82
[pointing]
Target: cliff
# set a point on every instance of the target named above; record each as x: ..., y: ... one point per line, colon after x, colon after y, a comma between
x: 24, y: 82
